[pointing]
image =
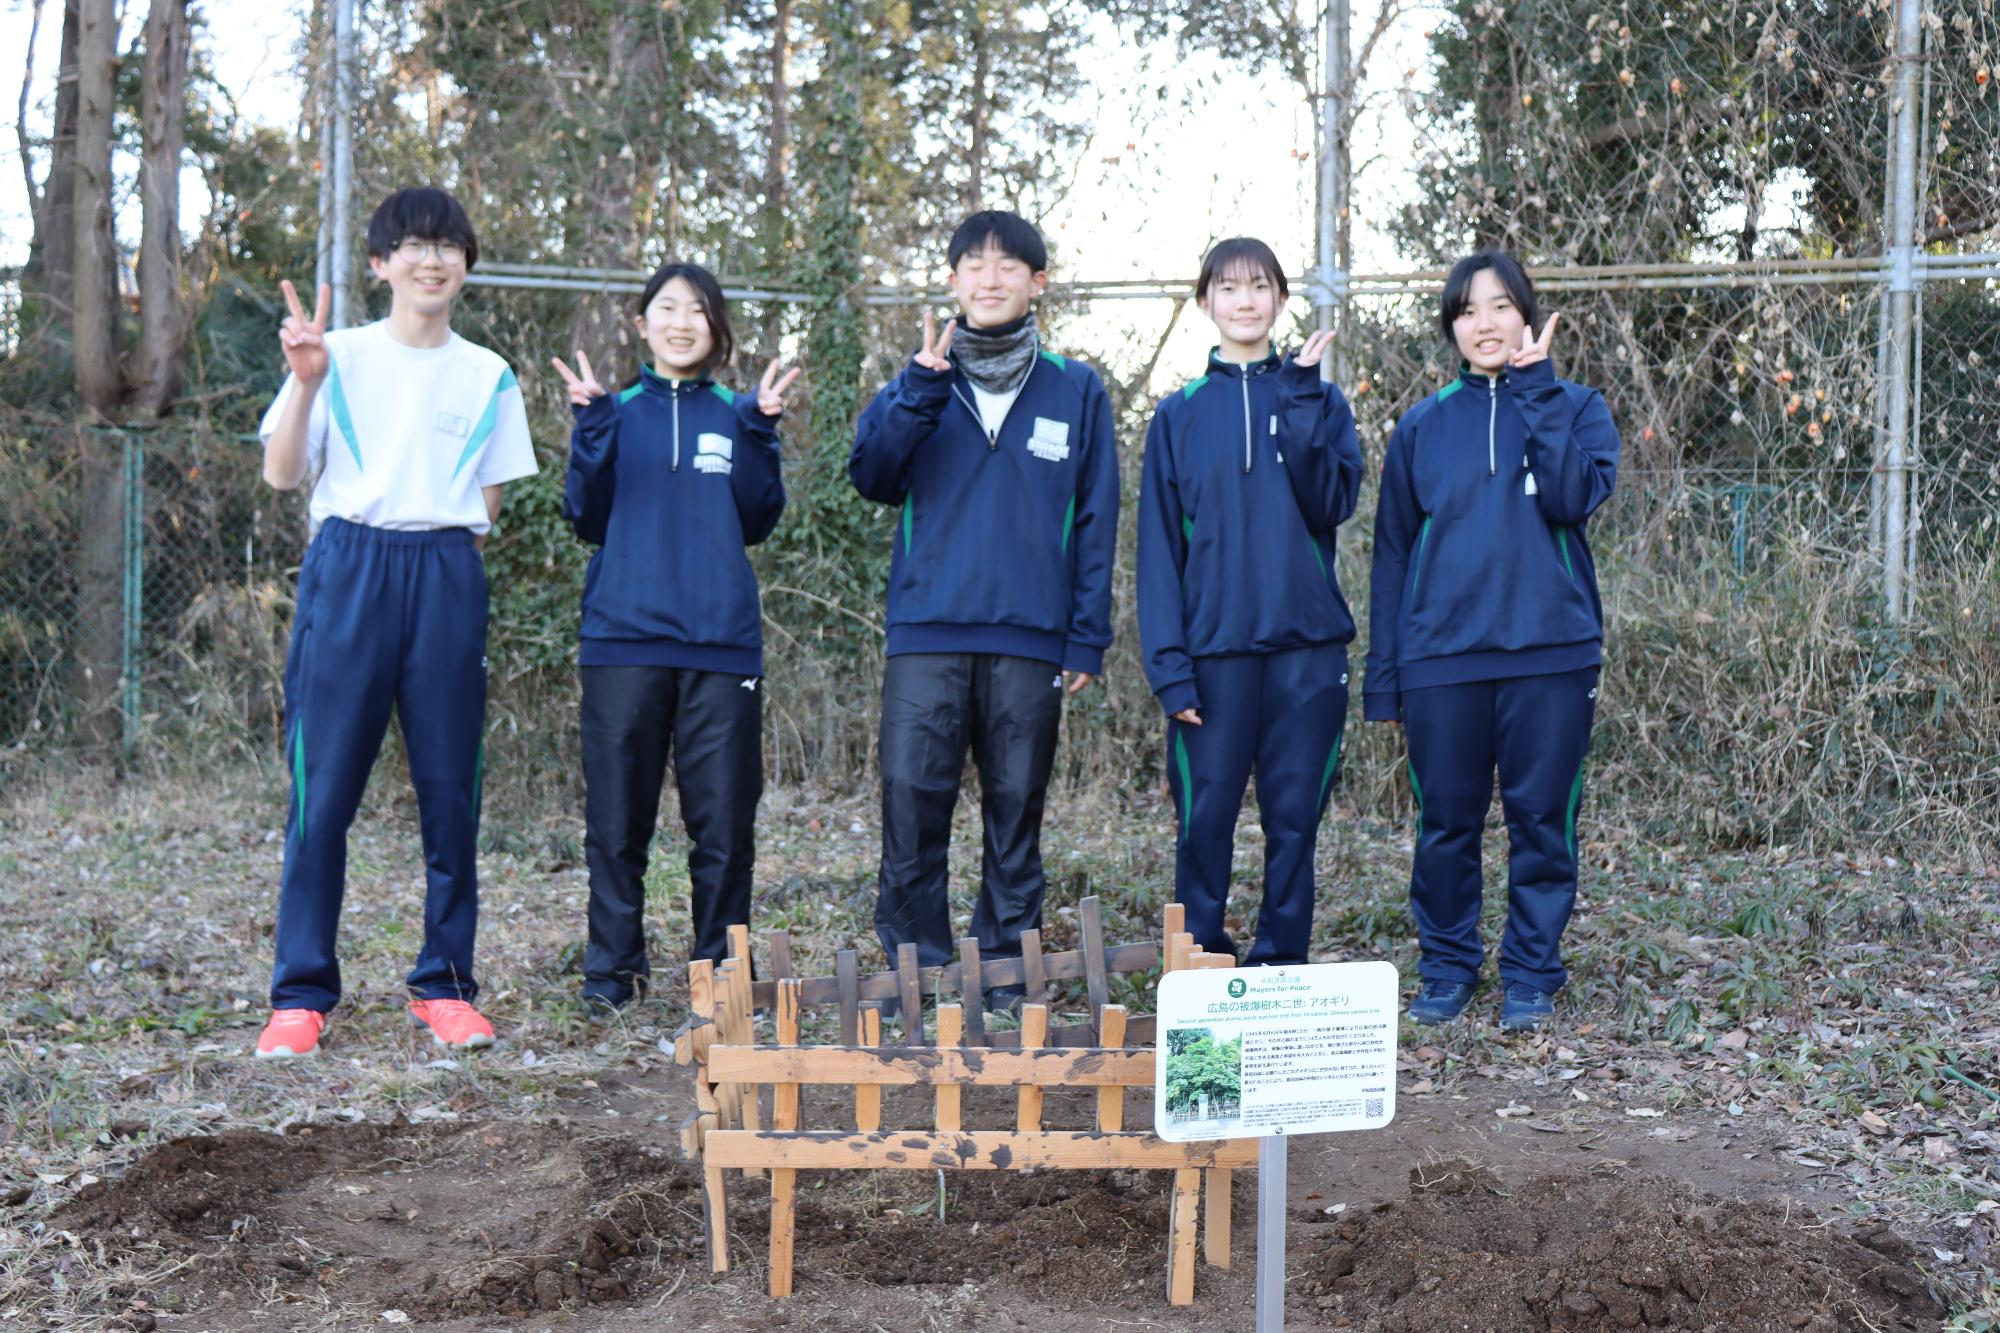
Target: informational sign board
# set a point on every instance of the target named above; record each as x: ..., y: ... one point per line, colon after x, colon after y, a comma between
x: 1253, y: 1051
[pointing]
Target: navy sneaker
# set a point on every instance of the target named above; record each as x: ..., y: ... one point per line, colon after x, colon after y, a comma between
x: 1525, y: 1008
x: 606, y: 1008
x: 1440, y: 1002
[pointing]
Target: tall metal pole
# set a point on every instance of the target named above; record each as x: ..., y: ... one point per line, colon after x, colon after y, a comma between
x: 340, y: 260
x: 1901, y: 250
x: 1331, y: 198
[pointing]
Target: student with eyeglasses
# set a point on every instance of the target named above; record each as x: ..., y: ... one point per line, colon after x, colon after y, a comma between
x: 409, y: 432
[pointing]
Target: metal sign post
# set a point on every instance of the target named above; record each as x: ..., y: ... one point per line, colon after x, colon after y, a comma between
x: 1271, y: 1234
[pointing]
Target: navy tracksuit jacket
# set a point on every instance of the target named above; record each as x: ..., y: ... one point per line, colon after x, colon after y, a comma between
x: 1004, y: 543
x: 1485, y: 638
x: 671, y: 480
x: 999, y: 579
x: 1248, y: 472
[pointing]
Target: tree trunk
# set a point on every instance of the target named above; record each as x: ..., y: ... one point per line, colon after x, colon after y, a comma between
x: 163, y: 316
x: 21, y: 128
x: 602, y: 326
x: 982, y: 69
x: 99, y: 380
x: 776, y: 234
x: 54, y: 245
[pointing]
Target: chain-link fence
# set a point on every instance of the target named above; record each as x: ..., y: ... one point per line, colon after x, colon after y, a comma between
x: 145, y: 583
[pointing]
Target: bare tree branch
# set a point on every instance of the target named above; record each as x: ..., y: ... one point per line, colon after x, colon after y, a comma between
x: 21, y: 115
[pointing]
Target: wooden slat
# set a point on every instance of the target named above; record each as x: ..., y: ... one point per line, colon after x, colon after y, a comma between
x: 785, y: 1096
x: 1095, y: 965
x: 1180, y: 1253
x: 909, y: 991
x: 950, y: 1096
x: 971, y: 992
x: 715, y: 1209
x: 701, y: 1005
x: 784, y: 1117
x: 1111, y: 1101
x: 1033, y: 977
x: 974, y: 1151
x: 742, y: 1017
x: 925, y: 1066
x: 739, y: 944
x: 781, y: 954
x: 824, y: 992
x: 1034, y: 1030
x: 1173, y: 920
x: 847, y: 977
x: 784, y: 1217
x: 867, y: 1096
x: 728, y: 1095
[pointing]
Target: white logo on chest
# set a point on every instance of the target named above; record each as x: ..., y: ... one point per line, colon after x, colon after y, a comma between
x: 1050, y: 441
x: 450, y: 423
x: 713, y: 453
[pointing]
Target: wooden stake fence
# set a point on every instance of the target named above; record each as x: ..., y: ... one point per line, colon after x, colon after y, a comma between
x: 725, y: 1131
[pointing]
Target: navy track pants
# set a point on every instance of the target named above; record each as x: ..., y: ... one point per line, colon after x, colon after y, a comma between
x: 935, y: 706
x: 1282, y: 714
x: 385, y: 619
x: 1536, y: 729
x: 713, y: 722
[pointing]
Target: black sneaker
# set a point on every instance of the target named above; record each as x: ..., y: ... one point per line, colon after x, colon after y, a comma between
x: 1440, y: 1002
x: 1525, y: 1008
x: 1005, y: 999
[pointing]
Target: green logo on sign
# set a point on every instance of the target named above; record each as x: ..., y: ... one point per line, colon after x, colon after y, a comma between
x: 1236, y: 988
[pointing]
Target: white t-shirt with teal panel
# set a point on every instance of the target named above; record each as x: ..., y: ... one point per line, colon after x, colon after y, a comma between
x: 404, y: 437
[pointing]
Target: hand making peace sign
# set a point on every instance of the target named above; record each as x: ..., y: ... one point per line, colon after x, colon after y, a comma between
x: 583, y: 388
x: 771, y: 389
x: 305, y: 348
x: 933, y: 357
x: 1533, y: 349
x: 1315, y: 347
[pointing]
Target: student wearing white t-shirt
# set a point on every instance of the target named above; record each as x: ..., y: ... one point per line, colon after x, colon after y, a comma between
x: 409, y: 432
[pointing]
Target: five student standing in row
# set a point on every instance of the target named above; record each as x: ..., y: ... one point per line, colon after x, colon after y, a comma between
x: 998, y: 457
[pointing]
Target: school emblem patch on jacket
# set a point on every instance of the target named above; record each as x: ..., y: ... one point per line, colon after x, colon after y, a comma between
x: 713, y: 453
x: 1050, y: 440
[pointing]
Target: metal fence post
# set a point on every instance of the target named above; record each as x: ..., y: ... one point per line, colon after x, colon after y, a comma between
x: 132, y: 623
x: 1330, y: 278
x: 1900, y: 250
x: 340, y: 245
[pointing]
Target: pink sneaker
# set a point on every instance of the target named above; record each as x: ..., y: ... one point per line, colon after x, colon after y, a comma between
x: 453, y: 1023
x: 290, y: 1034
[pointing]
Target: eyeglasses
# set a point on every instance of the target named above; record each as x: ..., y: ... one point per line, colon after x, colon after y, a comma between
x: 412, y: 250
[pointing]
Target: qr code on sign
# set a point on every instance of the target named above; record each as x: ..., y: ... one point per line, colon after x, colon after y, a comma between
x: 1372, y: 1108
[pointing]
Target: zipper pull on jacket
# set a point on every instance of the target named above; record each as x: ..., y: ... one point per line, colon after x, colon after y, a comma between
x: 1492, y: 410
x: 1242, y: 372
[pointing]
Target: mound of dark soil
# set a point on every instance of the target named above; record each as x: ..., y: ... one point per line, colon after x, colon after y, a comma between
x: 431, y: 1220
x: 1075, y: 1240
x: 1601, y: 1252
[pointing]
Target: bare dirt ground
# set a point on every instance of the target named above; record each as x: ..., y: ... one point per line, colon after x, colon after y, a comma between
x: 1768, y: 1103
